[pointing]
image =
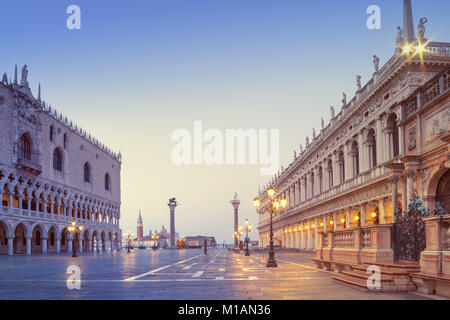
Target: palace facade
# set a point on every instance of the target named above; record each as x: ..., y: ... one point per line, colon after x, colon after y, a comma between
x: 390, y: 143
x: 52, y: 173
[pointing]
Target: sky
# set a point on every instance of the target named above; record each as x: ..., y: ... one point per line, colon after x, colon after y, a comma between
x: 140, y: 69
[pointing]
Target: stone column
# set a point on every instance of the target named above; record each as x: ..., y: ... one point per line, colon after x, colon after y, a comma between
x: 69, y: 242
x: 28, y: 241
x: 410, y: 176
x: 172, y: 206
x: 80, y: 243
x: 44, y: 245
x: 58, y: 245
x: 10, y: 246
x: 11, y: 202
x: 235, y: 202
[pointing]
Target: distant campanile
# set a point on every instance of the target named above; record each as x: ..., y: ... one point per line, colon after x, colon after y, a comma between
x: 140, y: 227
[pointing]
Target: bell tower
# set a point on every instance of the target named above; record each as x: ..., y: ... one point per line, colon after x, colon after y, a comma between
x: 140, y: 227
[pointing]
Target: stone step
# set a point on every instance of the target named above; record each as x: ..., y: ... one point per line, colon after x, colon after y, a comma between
x: 384, y: 270
x: 397, y: 266
x: 363, y: 275
x: 386, y: 286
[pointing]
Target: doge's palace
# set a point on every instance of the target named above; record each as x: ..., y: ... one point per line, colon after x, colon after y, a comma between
x: 385, y: 146
x: 53, y: 172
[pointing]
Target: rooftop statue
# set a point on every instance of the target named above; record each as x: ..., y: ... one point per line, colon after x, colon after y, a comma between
x: 376, y: 63
x: 421, y: 30
x: 295, y: 154
x: 358, y: 82
x: 24, y: 80
x: 344, y: 99
x: 314, y: 133
x: 301, y: 148
x: 400, y: 39
x: 5, y: 78
x: 235, y: 196
x: 322, y: 123
x: 332, y: 112
x: 307, y: 141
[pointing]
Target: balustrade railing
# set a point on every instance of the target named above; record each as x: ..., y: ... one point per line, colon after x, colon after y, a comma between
x: 51, y: 217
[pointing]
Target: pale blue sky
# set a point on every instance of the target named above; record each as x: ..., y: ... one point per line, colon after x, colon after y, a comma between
x: 140, y: 69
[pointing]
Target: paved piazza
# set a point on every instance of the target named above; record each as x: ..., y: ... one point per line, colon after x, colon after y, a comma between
x: 174, y: 275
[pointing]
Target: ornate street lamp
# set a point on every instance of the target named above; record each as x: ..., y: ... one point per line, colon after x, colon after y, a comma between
x: 155, y: 237
x: 237, y: 235
x: 272, y: 206
x: 248, y: 228
x: 129, y: 236
x: 74, y: 228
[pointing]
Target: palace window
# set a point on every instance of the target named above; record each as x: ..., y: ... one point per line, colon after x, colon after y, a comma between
x: 65, y: 141
x: 330, y: 173
x: 320, y: 180
x: 372, y: 148
x: 87, y: 172
x: 51, y: 132
x: 25, y: 147
x: 341, y: 164
x: 355, y: 158
x: 57, y: 160
x: 107, y: 182
x: 392, y: 134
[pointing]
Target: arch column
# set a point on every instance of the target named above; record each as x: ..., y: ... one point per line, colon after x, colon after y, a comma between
x: 69, y: 239
x: 58, y: 244
x: 44, y: 244
x: 80, y: 243
x: 10, y: 246
x: 28, y: 242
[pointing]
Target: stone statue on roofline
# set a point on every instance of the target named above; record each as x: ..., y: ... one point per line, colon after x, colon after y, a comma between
x: 301, y: 148
x: 5, y: 78
x: 358, y: 82
x: 24, y: 79
x: 307, y: 141
x: 399, y: 40
x: 314, y: 133
x: 344, y: 99
x: 322, y: 123
x: 295, y: 154
x: 376, y: 63
x: 421, y: 30
x: 332, y: 112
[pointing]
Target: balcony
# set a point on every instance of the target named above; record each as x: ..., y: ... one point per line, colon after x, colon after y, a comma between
x: 29, y: 162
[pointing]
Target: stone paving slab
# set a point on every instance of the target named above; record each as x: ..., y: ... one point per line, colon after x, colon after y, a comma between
x: 175, y: 275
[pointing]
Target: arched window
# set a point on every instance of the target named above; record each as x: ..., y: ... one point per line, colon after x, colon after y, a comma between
x: 354, y: 153
x: 341, y: 164
x: 57, y: 160
x: 51, y: 132
x: 312, y: 184
x: 65, y: 141
x: 320, y: 180
x: 392, y: 135
x: 25, y: 147
x: 330, y: 173
x: 87, y: 172
x: 107, y: 182
x: 372, y: 148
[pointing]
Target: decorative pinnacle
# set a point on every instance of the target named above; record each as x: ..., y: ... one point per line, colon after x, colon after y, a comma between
x: 408, y: 24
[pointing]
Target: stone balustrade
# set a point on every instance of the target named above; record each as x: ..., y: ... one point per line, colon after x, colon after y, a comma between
x: 356, y: 245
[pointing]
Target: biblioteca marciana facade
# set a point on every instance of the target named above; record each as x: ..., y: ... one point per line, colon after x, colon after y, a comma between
x: 389, y: 144
x: 52, y: 173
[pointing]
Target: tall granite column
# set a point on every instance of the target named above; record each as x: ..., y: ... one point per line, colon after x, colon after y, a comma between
x: 235, y: 202
x: 172, y: 206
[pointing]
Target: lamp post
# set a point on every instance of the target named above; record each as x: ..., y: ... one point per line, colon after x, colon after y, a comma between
x: 74, y: 228
x: 237, y: 236
x: 272, y: 206
x: 248, y: 228
x: 155, y: 237
x: 129, y: 236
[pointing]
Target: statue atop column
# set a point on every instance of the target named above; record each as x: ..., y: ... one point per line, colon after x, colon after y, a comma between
x: 376, y: 63
x: 24, y: 79
x: 421, y: 30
